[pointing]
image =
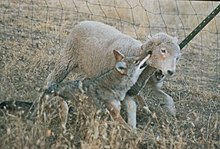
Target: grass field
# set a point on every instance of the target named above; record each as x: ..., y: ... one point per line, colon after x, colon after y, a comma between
x: 31, y: 36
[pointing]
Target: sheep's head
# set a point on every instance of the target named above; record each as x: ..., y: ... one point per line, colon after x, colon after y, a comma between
x: 165, y: 52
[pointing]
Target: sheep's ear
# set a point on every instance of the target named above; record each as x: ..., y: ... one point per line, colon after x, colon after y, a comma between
x: 175, y: 39
x: 147, y: 45
x: 121, y: 67
x: 118, y: 56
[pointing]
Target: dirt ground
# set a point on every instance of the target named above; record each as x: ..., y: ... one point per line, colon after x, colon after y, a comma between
x: 31, y: 36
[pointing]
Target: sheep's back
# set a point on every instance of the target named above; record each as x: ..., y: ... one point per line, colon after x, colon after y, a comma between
x: 93, y: 44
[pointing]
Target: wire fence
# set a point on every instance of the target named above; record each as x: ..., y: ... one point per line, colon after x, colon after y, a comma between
x: 30, y: 26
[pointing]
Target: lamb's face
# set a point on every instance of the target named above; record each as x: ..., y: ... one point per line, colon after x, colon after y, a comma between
x: 165, y: 58
x: 165, y: 53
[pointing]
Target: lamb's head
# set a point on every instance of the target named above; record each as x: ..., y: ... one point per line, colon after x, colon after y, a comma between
x: 165, y: 53
x: 131, y: 67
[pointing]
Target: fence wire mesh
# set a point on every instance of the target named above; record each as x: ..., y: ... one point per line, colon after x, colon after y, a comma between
x: 33, y: 32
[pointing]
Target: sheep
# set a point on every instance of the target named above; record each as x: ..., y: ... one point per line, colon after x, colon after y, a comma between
x: 88, y: 51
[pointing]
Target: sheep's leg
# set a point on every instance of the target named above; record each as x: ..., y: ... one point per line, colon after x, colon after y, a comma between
x: 65, y: 63
x: 166, y: 101
x: 61, y: 70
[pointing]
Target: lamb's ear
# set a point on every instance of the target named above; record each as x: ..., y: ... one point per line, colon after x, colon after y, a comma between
x: 148, y: 45
x: 175, y: 39
x: 118, y: 56
x: 121, y: 67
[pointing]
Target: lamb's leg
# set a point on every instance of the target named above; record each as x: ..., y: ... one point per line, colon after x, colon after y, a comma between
x: 166, y: 101
x: 162, y: 98
x: 65, y: 63
x: 61, y: 70
x: 69, y: 90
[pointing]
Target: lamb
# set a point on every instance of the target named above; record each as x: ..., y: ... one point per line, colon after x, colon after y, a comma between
x: 89, y: 51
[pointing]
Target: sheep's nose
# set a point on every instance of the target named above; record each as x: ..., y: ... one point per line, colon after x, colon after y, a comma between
x: 170, y: 72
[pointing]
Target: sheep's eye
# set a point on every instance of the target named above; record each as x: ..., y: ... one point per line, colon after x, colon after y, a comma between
x: 164, y: 51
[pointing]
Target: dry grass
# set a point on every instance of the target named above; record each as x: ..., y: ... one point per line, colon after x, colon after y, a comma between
x: 89, y: 128
x: 30, y: 40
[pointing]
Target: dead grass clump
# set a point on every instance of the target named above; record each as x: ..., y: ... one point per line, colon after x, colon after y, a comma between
x: 89, y: 127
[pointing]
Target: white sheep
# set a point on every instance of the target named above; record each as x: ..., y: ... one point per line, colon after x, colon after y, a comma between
x: 89, y: 51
